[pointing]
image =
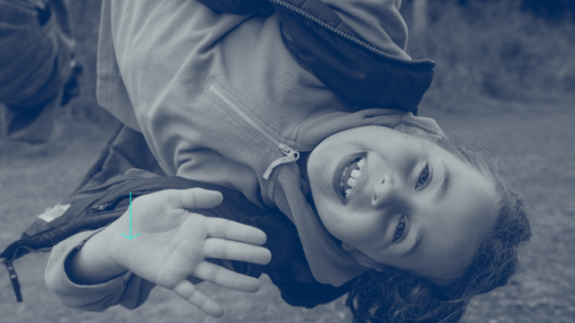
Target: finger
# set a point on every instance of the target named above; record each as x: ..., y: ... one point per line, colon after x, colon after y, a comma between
x: 233, y: 250
x: 190, y: 293
x: 194, y: 198
x: 231, y: 230
x: 221, y: 276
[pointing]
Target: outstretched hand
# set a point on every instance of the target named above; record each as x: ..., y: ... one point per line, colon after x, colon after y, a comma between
x: 174, y: 243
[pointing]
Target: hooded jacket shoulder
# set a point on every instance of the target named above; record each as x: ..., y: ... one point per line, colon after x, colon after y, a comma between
x: 355, y: 47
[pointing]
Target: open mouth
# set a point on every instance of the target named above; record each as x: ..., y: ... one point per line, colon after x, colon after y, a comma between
x: 347, y: 175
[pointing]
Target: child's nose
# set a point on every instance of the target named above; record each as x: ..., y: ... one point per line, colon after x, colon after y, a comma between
x: 385, y: 192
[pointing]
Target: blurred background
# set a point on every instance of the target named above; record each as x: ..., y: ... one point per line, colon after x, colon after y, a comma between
x: 504, y: 81
x: 513, y: 50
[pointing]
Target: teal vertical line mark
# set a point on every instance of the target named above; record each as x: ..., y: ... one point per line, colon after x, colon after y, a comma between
x: 130, y: 214
x: 130, y: 237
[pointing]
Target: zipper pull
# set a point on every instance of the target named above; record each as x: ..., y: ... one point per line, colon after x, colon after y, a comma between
x: 100, y: 207
x: 290, y: 157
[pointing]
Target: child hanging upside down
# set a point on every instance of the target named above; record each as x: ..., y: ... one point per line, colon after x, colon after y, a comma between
x: 379, y: 196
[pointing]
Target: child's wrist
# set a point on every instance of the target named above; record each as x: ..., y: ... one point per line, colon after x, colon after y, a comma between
x: 110, y: 238
x: 92, y: 263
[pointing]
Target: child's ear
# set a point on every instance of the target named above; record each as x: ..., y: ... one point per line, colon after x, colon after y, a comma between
x: 362, y: 258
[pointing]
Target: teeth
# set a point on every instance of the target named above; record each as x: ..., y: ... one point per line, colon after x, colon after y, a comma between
x: 360, y: 163
x: 353, y: 177
x: 351, y: 182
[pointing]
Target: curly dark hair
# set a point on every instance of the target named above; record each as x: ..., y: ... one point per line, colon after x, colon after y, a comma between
x: 398, y: 296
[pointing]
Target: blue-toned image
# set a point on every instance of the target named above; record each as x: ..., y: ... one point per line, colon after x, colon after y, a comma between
x: 358, y: 161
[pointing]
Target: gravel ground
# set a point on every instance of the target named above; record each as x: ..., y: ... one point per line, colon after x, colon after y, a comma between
x: 534, y: 142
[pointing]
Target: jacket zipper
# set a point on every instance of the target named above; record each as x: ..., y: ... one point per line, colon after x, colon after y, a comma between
x: 349, y: 37
x: 291, y: 155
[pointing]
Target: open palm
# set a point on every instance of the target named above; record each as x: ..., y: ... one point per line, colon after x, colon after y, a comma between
x: 174, y: 242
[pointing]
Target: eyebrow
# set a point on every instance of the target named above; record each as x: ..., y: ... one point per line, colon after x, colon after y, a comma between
x: 442, y: 191
x: 415, y: 245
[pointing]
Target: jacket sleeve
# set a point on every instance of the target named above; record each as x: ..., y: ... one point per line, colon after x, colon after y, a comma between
x: 127, y: 290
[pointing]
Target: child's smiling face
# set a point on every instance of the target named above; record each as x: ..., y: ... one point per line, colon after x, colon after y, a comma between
x: 400, y: 200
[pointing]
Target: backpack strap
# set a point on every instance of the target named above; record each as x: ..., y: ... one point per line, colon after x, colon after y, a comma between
x: 13, y: 279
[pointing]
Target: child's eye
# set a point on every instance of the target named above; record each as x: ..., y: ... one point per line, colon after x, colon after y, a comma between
x: 423, y: 177
x: 400, y: 230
